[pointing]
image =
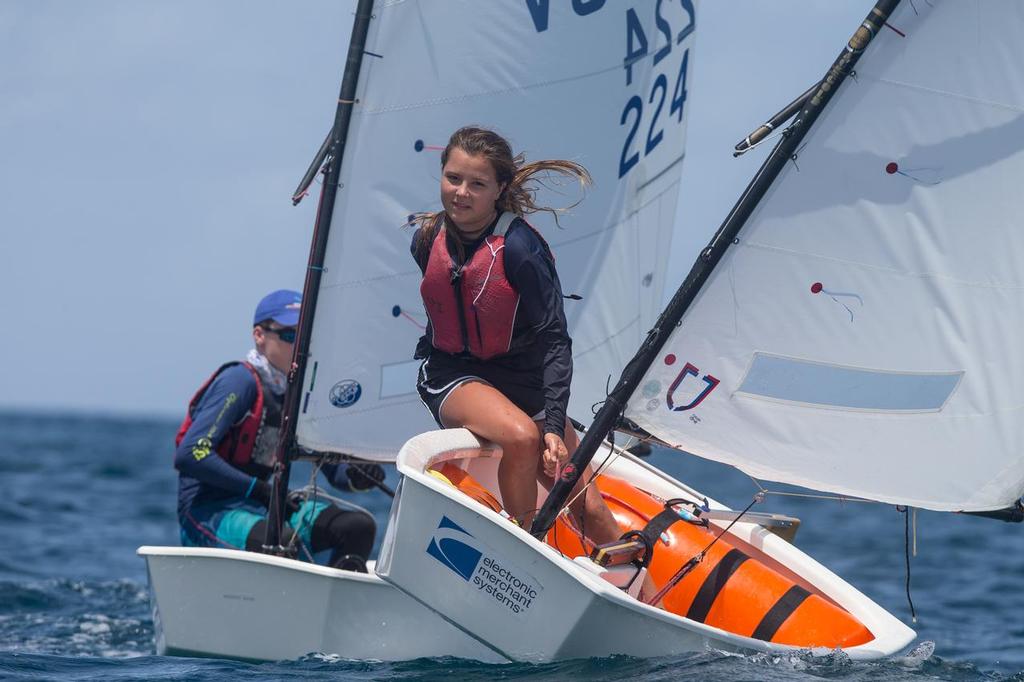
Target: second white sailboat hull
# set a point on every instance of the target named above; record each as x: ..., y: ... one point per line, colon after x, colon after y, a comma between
x: 230, y: 604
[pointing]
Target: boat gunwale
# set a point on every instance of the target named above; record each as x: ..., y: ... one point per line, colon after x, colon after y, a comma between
x: 223, y: 554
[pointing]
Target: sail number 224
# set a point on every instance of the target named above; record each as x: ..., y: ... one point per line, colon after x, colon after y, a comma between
x: 637, y: 48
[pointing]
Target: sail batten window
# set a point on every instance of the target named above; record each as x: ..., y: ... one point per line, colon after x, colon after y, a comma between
x: 398, y: 378
x: 818, y: 384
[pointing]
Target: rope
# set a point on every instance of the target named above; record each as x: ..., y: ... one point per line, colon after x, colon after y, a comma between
x: 906, y: 546
x: 613, y: 454
x: 202, y: 529
x: 697, y: 558
x: 302, y: 522
x: 312, y: 488
x: 487, y: 277
x: 764, y: 492
x: 312, y: 492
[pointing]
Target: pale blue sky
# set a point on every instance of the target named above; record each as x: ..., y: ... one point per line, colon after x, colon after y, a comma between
x: 148, y: 150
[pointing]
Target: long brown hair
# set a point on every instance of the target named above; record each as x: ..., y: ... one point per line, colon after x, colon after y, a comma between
x: 519, y: 178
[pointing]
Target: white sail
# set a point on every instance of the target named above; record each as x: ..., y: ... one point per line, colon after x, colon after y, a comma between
x: 600, y: 83
x: 862, y: 335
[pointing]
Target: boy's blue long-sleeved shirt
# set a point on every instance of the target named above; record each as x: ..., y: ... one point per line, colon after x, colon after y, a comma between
x: 205, y: 476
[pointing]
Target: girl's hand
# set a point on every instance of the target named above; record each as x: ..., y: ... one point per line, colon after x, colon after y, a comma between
x: 555, y: 454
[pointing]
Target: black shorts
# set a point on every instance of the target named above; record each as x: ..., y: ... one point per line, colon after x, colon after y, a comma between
x: 440, y: 374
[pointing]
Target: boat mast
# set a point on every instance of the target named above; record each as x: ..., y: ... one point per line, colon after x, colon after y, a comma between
x: 314, y: 269
x: 608, y: 415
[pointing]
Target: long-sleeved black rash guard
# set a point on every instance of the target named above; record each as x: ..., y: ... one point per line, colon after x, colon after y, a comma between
x: 540, y: 337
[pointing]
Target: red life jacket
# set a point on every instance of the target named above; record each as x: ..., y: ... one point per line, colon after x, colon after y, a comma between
x: 252, y: 439
x: 473, y: 308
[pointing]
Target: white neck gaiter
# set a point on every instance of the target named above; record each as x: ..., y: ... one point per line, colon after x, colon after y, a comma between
x: 275, y: 379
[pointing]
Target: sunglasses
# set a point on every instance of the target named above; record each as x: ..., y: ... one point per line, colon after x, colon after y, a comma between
x: 287, y: 334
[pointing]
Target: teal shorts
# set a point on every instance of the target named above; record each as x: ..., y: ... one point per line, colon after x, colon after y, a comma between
x: 228, y: 525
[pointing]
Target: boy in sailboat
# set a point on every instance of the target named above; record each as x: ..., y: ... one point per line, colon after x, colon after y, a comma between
x: 497, y: 357
x: 225, y: 449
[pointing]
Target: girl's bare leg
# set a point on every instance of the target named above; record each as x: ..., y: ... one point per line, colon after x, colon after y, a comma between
x: 590, y: 511
x: 485, y: 411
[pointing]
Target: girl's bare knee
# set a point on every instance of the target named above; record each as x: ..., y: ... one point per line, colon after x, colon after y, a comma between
x: 522, y: 439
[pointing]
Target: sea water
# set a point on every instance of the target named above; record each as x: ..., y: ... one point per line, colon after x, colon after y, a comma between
x: 79, y: 494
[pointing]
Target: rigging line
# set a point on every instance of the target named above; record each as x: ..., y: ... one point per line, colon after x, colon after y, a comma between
x: 587, y: 544
x: 342, y: 503
x: 311, y: 492
x: 601, y: 468
x: 339, y: 458
x: 554, y: 539
x: 380, y: 485
x: 198, y: 526
x: 515, y: 519
x: 915, y: 532
x: 302, y: 522
x: 596, y: 407
x: 835, y: 498
x: 780, y: 493
x: 906, y: 545
x: 697, y: 558
x: 614, y: 452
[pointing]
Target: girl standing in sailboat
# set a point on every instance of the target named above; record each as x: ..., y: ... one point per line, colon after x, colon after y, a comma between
x: 497, y: 357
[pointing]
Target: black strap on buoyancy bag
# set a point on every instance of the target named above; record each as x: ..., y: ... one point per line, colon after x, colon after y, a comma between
x: 713, y: 584
x: 777, y: 614
x: 637, y: 546
x: 669, y: 516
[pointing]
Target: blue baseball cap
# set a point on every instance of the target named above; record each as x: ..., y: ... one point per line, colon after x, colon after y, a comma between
x: 281, y: 306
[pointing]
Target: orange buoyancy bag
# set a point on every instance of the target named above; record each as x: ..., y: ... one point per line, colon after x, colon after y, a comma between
x: 466, y: 484
x: 734, y: 588
x: 472, y: 308
x: 748, y: 594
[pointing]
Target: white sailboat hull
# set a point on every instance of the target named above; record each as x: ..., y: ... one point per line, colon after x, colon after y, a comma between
x: 529, y: 603
x: 231, y: 604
